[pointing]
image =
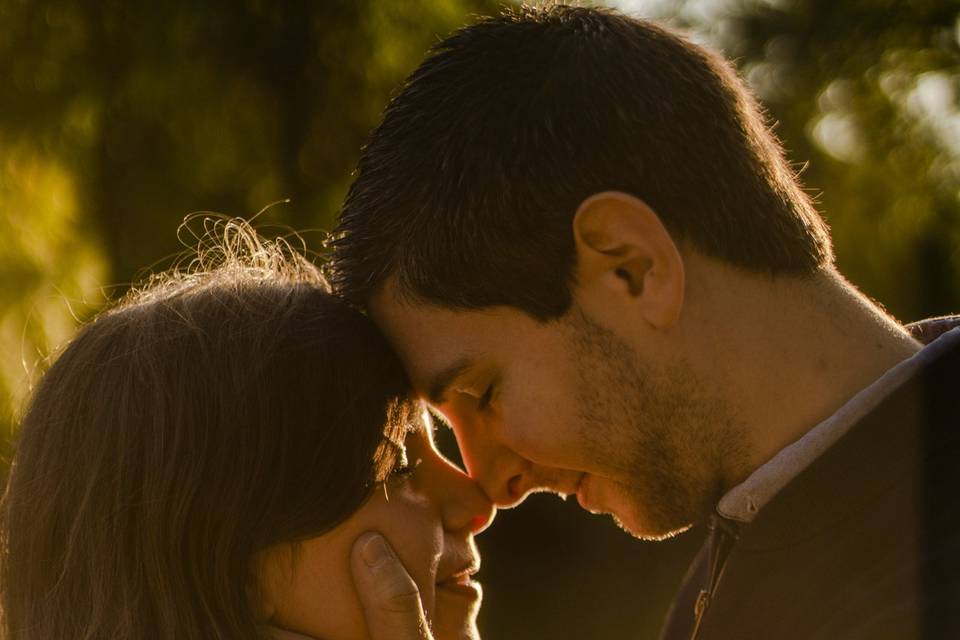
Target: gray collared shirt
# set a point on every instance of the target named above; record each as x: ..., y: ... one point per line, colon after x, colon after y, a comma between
x: 744, y: 501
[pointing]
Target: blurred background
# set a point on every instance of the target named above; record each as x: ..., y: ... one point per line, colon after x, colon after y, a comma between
x: 117, y: 119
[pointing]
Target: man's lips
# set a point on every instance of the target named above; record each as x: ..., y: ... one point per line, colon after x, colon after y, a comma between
x: 581, y: 492
x: 583, y: 496
x: 579, y: 484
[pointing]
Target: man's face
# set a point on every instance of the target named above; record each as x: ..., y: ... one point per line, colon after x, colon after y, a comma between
x: 565, y: 406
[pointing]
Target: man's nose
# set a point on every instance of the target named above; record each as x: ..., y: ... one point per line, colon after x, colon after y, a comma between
x: 466, y: 507
x: 499, y: 470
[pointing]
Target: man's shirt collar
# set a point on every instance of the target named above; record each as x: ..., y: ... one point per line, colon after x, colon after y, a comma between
x: 744, y: 501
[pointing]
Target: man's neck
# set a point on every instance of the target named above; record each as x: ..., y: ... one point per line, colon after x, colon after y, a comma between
x: 789, y: 352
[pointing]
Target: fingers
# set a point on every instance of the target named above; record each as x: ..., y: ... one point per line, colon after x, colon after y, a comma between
x: 390, y: 598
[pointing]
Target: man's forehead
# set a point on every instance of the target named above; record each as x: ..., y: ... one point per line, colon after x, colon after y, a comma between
x: 428, y: 339
x: 422, y: 324
x: 435, y: 344
x: 414, y: 326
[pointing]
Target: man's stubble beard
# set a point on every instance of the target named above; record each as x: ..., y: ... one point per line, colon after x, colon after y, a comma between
x: 656, y: 427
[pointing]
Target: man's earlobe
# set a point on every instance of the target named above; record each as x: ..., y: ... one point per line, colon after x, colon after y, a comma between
x: 624, y: 249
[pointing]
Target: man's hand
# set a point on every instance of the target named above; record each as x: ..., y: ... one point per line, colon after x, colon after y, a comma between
x: 390, y: 598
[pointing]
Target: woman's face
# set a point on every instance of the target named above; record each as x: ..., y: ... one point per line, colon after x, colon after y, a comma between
x: 428, y: 515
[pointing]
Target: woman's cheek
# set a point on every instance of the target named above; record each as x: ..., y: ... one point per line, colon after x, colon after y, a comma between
x: 412, y: 526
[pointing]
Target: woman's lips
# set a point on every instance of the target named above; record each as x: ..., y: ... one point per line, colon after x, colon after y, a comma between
x: 461, y: 587
x: 461, y: 583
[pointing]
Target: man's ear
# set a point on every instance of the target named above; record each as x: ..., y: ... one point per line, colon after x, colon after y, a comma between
x: 624, y: 251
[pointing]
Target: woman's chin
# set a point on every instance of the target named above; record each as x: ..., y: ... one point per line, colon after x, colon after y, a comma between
x: 468, y: 631
x: 455, y: 614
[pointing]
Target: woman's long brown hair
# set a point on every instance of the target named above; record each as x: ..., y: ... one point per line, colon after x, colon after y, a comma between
x: 210, y: 415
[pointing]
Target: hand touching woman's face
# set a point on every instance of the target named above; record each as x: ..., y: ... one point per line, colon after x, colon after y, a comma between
x: 428, y: 512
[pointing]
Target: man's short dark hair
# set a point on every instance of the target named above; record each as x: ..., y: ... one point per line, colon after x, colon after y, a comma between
x: 467, y: 189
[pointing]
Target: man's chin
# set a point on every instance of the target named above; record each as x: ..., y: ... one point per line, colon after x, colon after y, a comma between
x: 643, y: 531
x: 628, y: 511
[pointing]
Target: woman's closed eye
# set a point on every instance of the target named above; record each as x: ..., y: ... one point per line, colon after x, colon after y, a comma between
x: 405, y: 469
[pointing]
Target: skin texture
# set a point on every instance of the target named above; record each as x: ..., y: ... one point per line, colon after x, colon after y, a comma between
x: 591, y: 403
x: 429, y: 516
x: 671, y: 378
x: 571, y: 408
x: 666, y: 438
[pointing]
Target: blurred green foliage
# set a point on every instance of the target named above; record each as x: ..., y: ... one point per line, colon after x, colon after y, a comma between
x: 118, y: 119
x: 866, y: 96
x: 868, y: 91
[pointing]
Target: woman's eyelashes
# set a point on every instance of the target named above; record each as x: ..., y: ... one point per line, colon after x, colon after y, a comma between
x: 406, y: 469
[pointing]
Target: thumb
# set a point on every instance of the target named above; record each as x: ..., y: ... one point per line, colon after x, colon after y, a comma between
x: 390, y: 598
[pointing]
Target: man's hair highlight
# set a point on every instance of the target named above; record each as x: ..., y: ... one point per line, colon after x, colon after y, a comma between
x: 466, y: 190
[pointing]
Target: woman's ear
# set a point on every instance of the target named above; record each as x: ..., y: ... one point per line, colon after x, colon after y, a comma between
x: 627, y: 260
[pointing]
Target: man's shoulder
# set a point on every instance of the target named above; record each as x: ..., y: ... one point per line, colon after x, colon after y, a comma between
x: 891, y: 449
x: 865, y: 542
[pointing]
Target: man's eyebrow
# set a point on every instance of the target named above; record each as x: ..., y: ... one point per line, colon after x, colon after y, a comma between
x: 439, y: 382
